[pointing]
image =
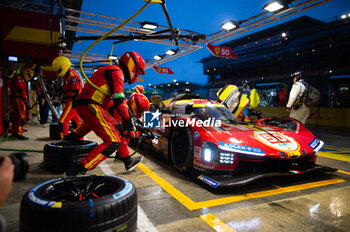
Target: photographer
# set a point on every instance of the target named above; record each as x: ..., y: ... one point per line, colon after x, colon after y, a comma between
x: 6, y: 177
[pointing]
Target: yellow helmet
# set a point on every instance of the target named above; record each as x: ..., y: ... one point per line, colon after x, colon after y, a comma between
x: 61, y: 64
x: 28, y: 72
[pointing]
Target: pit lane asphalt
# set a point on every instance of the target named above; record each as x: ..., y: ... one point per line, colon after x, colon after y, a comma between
x: 173, y: 201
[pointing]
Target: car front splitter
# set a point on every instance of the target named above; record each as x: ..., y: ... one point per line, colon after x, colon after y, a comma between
x: 225, y: 181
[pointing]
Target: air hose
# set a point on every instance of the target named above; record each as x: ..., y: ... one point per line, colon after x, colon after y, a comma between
x: 103, y: 37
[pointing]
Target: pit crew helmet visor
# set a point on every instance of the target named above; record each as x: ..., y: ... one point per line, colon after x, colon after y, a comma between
x: 135, y: 64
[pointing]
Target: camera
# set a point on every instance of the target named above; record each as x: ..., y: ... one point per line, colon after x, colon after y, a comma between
x: 21, y: 164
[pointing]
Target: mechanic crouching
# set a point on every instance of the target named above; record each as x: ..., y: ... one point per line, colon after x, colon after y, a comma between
x: 137, y: 104
x: 92, y: 107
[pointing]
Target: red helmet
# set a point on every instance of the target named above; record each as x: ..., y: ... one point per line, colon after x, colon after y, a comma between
x: 138, y: 104
x: 139, y: 89
x: 135, y: 64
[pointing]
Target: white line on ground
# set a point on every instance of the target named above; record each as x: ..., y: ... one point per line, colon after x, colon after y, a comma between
x: 143, y: 223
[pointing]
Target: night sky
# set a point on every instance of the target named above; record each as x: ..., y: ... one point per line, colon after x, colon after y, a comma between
x: 202, y: 16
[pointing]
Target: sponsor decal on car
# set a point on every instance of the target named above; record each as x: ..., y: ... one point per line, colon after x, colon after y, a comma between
x: 277, y: 140
x: 195, y: 135
x: 316, y: 144
x: 241, y: 149
x: 197, y: 151
x: 208, y: 181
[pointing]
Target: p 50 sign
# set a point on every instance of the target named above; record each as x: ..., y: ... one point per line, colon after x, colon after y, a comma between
x: 222, y: 51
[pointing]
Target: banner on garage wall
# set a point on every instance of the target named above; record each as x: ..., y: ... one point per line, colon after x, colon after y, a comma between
x: 163, y: 70
x: 27, y: 33
x: 220, y: 51
x: 147, y: 91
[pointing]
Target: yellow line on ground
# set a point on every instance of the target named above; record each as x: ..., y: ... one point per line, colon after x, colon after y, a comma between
x: 216, y: 223
x: 344, y: 172
x: 232, y: 199
x: 191, y: 205
x: 182, y: 198
x: 331, y: 155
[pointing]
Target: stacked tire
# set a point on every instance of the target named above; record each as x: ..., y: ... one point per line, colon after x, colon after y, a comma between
x: 61, y: 155
x: 92, y: 203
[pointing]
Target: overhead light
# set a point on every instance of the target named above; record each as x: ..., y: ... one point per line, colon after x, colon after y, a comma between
x: 112, y: 57
x: 343, y: 16
x: 149, y: 25
x: 284, y: 34
x: 174, y: 80
x: 13, y: 58
x: 170, y: 52
x: 149, y: 84
x: 229, y: 25
x: 157, y: 57
x: 274, y: 6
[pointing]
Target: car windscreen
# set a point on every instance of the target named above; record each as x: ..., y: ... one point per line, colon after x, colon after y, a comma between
x: 218, y: 113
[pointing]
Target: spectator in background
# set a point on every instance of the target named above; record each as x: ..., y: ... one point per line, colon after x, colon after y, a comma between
x: 282, y: 97
x: 298, y: 110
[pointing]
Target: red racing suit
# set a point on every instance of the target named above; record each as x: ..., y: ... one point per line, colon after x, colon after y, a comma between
x: 92, y: 107
x: 123, y: 150
x: 19, y: 99
x: 71, y: 89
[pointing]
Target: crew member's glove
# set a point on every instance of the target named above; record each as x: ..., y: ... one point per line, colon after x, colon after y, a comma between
x: 130, y: 126
x: 132, y: 134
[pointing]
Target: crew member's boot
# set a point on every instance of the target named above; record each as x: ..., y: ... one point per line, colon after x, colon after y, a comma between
x: 76, y: 170
x: 130, y: 163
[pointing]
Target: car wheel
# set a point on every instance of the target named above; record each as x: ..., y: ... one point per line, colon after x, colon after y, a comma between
x: 61, y: 155
x: 80, y: 203
x: 181, y: 148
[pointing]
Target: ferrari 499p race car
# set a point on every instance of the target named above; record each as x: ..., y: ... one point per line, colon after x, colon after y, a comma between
x: 202, y: 135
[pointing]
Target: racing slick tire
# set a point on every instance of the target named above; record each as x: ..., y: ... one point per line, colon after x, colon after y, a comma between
x: 181, y: 148
x: 61, y: 155
x: 91, y: 203
x: 54, y: 131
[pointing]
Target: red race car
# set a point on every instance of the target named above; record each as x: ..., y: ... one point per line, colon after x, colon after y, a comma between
x: 202, y: 135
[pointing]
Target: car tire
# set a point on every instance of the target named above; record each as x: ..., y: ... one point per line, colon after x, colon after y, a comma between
x: 54, y: 131
x: 181, y: 148
x: 94, y: 203
x: 61, y: 155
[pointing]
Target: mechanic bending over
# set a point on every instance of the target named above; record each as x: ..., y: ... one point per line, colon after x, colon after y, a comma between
x: 137, y: 104
x: 92, y: 107
x: 298, y: 110
x: 71, y: 89
x: 19, y: 99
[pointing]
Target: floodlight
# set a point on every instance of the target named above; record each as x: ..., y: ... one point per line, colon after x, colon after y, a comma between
x: 157, y: 57
x: 274, y: 6
x: 343, y: 16
x: 13, y: 58
x: 112, y: 57
x: 149, y: 25
x: 170, y: 52
x: 229, y: 25
x: 284, y: 34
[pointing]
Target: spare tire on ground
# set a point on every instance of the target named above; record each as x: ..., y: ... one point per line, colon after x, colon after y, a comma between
x: 91, y: 203
x: 61, y: 155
